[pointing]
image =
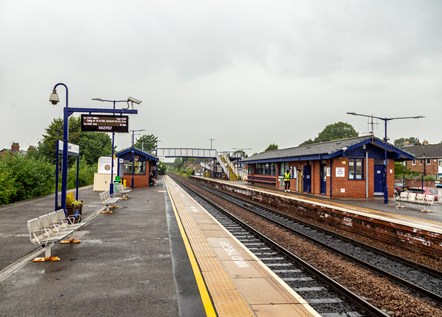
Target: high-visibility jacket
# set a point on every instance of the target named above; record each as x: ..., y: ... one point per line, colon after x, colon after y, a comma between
x: 287, y: 176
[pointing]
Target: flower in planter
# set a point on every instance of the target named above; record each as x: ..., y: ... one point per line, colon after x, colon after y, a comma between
x: 71, y: 202
x: 74, y: 207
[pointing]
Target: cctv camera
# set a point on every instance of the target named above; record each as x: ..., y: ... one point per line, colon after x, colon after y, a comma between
x: 132, y: 99
x: 54, y: 97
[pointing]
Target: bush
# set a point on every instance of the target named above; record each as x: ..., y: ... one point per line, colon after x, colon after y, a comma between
x: 7, y: 183
x: 85, y: 175
x: 32, y: 177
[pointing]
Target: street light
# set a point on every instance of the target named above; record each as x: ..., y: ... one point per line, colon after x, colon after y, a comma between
x: 129, y: 99
x: 54, y: 99
x: 385, y: 119
x: 67, y: 111
x: 211, y: 141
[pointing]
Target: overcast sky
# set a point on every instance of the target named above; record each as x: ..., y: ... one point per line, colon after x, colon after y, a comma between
x: 245, y: 73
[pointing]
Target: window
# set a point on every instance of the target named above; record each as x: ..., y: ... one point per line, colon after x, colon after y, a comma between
x: 283, y: 168
x: 355, y: 168
x: 428, y: 162
x: 414, y: 162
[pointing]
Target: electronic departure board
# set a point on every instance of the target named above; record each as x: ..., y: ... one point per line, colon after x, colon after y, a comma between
x: 104, y: 123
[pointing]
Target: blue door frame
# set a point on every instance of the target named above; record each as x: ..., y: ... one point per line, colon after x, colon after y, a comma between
x: 307, y: 179
x: 379, y: 179
x: 323, y: 179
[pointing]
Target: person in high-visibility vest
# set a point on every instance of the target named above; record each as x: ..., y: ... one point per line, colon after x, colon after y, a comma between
x: 287, y: 181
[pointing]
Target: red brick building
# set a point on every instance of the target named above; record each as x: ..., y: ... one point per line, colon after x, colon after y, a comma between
x: 428, y: 159
x: 348, y: 168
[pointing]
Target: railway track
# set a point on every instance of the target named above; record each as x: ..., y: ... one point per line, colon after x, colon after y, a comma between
x: 326, y: 296
x: 412, y: 276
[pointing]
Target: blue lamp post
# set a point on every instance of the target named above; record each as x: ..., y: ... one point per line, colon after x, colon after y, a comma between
x: 385, y: 144
x: 67, y: 111
x: 64, y: 167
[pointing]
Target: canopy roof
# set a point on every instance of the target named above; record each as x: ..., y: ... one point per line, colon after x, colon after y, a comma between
x: 328, y: 150
x: 129, y: 154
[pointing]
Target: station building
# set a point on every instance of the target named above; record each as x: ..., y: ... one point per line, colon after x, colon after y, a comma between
x: 347, y: 168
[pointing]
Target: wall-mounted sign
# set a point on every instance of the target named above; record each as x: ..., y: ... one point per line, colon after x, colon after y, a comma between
x: 104, y: 123
x: 340, y: 171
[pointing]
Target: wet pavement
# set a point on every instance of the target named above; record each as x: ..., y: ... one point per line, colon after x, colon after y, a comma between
x: 129, y: 263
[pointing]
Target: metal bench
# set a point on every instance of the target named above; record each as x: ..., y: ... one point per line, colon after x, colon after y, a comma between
x: 108, y: 201
x: 413, y: 198
x: 121, y: 192
x: 49, y: 229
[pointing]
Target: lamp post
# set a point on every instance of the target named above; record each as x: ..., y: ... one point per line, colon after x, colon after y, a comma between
x: 211, y: 141
x: 111, y: 186
x: 64, y: 166
x: 385, y: 119
x: 67, y: 111
x: 133, y: 153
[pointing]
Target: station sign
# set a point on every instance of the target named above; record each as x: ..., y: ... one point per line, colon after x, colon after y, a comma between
x: 104, y: 123
x: 73, y: 149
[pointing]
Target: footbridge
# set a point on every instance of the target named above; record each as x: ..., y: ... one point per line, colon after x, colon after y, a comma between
x: 222, y: 158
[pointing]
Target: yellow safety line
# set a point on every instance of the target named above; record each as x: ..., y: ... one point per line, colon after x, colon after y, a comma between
x: 205, y: 297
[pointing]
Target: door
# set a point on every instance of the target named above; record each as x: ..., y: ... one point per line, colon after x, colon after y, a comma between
x: 379, y: 179
x: 323, y: 179
x: 307, y: 179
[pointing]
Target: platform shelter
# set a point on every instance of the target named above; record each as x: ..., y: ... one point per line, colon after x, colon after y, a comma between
x: 137, y: 167
x: 347, y: 168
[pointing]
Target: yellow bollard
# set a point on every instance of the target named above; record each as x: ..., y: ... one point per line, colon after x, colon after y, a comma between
x: 124, y: 182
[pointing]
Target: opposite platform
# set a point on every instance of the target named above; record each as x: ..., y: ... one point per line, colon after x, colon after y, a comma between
x: 229, y: 276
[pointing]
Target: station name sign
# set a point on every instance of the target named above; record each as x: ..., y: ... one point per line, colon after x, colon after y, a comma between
x: 104, y: 123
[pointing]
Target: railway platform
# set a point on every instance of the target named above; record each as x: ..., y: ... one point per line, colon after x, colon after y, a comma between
x: 158, y: 254
x: 406, y: 227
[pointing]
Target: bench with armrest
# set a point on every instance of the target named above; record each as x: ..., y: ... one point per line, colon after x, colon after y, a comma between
x: 49, y: 229
x: 108, y: 201
x: 414, y: 198
x: 120, y: 191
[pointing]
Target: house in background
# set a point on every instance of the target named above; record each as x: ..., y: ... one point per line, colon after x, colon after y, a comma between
x: 15, y: 148
x: 428, y: 159
x: 347, y: 168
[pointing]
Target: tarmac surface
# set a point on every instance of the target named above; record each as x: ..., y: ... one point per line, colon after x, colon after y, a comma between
x: 129, y: 263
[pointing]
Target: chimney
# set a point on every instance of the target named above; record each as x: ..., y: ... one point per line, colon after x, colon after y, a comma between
x: 15, y: 147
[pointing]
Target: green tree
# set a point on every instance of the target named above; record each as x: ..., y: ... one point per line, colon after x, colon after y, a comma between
x: 7, y: 181
x: 162, y: 168
x: 92, y: 144
x: 401, y: 142
x: 147, y: 142
x: 335, y: 131
x: 178, y: 163
x: 309, y: 141
x: 271, y: 147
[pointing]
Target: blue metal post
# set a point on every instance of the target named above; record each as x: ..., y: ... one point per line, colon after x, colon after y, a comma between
x: 64, y: 167
x: 386, y: 164
x: 78, y: 181
x: 57, y: 159
x: 111, y: 188
x: 64, y: 163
